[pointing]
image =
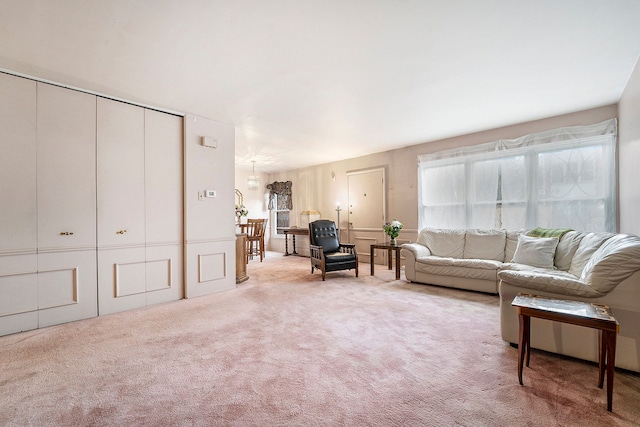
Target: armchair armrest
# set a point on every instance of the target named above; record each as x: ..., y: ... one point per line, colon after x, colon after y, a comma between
x: 348, y: 248
x: 316, y: 252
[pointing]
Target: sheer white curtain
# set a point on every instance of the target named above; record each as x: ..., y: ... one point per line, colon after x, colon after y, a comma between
x: 560, y: 178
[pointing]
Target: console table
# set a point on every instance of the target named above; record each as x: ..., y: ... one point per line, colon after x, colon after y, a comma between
x: 294, y: 231
x: 579, y: 313
x: 389, y: 248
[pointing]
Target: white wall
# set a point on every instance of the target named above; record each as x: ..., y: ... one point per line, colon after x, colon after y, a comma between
x: 314, y: 187
x: 629, y: 154
x: 209, y: 222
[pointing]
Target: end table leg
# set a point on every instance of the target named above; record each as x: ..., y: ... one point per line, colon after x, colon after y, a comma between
x: 371, y: 260
x: 523, y: 343
x: 610, y: 338
x: 397, y: 265
x: 602, y: 355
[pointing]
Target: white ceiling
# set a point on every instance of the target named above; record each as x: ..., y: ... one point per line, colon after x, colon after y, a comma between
x: 307, y: 82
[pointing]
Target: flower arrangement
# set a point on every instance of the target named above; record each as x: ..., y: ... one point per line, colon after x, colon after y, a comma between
x: 241, y: 211
x: 392, y: 229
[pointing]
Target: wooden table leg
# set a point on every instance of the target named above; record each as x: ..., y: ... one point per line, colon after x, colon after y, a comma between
x: 371, y: 259
x: 523, y: 343
x: 610, y: 338
x: 389, y: 258
x: 286, y: 244
x: 293, y: 239
x: 602, y: 354
x: 607, y: 361
x: 397, y: 265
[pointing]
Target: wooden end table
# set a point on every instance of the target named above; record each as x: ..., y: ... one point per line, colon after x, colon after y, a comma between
x: 579, y: 313
x: 389, y: 248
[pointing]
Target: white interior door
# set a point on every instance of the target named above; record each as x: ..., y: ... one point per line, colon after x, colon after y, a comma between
x: 366, y: 211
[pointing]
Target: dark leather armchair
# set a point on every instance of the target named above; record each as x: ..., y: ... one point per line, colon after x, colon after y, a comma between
x: 326, y: 251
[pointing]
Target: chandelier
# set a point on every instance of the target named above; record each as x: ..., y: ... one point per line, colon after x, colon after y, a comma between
x: 253, y: 180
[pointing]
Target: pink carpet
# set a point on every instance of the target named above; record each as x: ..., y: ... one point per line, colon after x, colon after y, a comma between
x: 286, y: 348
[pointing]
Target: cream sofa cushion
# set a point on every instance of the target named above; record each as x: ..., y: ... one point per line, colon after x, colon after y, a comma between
x: 511, y: 244
x: 590, y: 243
x: 485, y: 244
x: 556, y: 281
x: 443, y: 242
x: 567, y: 247
x: 616, y: 260
x: 459, y: 267
x: 535, y: 251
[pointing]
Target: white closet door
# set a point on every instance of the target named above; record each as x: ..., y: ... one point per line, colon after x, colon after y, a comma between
x: 163, y: 201
x: 121, y: 211
x: 67, y: 284
x: 66, y: 169
x: 18, y: 238
x: 121, y: 206
x: 17, y: 164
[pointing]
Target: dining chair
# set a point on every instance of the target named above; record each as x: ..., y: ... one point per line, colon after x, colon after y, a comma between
x: 255, y: 237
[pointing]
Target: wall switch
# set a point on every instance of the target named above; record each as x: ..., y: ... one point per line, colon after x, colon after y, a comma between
x: 200, y: 195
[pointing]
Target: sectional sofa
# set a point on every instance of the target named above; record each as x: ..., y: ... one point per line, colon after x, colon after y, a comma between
x: 602, y: 268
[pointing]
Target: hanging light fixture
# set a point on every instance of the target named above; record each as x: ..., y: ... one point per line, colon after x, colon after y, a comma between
x: 253, y: 180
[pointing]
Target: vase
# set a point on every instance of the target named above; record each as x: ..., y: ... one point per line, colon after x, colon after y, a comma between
x: 392, y: 242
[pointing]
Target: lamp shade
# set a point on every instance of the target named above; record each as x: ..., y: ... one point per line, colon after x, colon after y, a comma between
x: 253, y: 181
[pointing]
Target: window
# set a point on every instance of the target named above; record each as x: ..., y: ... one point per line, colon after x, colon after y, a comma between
x: 281, y: 217
x: 280, y: 204
x: 560, y: 178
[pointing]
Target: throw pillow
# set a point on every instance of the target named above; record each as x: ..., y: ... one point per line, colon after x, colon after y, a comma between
x: 535, y: 251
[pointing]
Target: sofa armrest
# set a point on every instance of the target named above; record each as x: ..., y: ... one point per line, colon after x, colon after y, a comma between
x: 411, y: 252
x: 417, y: 250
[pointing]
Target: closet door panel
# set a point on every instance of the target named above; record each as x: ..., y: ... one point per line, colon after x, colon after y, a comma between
x: 120, y: 141
x: 121, y: 280
x: 17, y: 164
x: 18, y: 293
x: 163, y: 177
x: 164, y: 274
x: 67, y: 287
x: 66, y: 168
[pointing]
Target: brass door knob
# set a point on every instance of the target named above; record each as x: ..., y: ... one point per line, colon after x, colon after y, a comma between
x: 121, y: 232
x: 66, y: 233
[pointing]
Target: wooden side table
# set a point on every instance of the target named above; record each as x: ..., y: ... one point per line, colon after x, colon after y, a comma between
x: 390, y: 249
x: 579, y: 313
x: 294, y: 231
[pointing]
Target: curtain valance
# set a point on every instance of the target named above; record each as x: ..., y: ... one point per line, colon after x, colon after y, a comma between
x: 283, y: 191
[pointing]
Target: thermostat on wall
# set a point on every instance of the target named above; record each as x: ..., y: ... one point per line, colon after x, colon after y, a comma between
x: 209, y: 193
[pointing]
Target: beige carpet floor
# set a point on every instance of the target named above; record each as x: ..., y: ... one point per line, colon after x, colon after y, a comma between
x: 286, y: 349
